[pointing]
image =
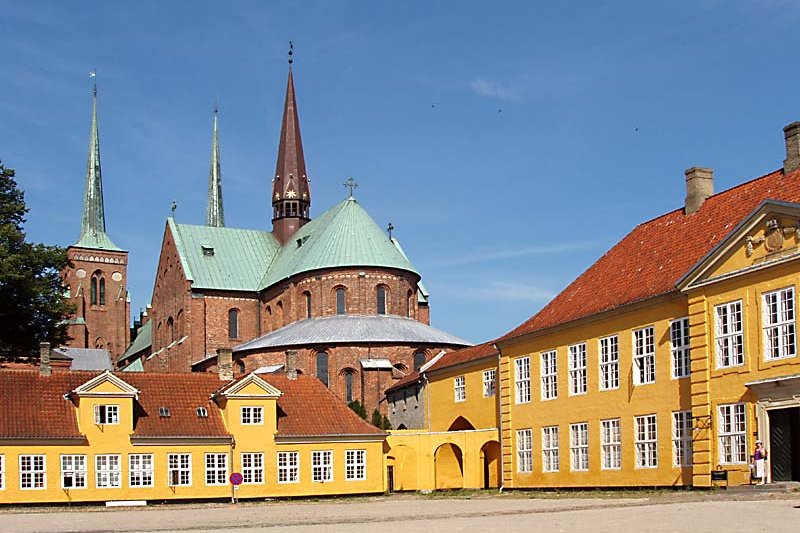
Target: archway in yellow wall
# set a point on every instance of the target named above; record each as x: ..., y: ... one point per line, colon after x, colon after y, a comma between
x: 490, y: 465
x: 405, y: 468
x: 449, y: 465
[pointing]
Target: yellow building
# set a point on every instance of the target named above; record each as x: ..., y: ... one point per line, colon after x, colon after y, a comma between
x: 662, y: 363
x: 671, y: 355
x: 84, y: 436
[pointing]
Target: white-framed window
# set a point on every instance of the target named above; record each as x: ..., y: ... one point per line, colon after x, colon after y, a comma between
x: 679, y: 344
x: 107, y: 471
x: 549, y: 370
x: 522, y: 379
x: 140, y: 470
x: 730, y: 338
x: 577, y: 369
x: 778, y: 323
x: 252, y: 415
x: 460, y: 388
x: 288, y: 467
x: 32, y: 472
x: 2, y: 471
x: 106, y: 414
x: 611, y: 444
x: 609, y: 363
x: 252, y: 468
x: 488, y: 382
x: 216, y: 469
x: 646, y: 439
x: 682, y: 438
x: 73, y: 471
x: 550, y: 449
x: 644, y: 356
x: 579, y: 446
x: 179, y: 469
x: 322, y: 466
x: 732, y: 434
x: 524, y: 450
x: 355, y: 465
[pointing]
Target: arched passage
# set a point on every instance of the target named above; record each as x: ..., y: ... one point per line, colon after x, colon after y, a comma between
x: 405, y: 468
x: 490, y: 463
x: 449, y: 465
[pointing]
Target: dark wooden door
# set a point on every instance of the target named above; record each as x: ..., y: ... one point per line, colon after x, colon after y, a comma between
x: 784, y: 452
x: 390, y: 478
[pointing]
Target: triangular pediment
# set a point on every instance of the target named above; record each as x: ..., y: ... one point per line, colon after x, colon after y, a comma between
x: 770, y: 235
x: 107, y: 385
x: 250, y: 386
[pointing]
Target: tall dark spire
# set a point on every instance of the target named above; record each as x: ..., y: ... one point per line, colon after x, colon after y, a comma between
x: 215, y: 214
x: 291, y: 194
x: 93, y: 221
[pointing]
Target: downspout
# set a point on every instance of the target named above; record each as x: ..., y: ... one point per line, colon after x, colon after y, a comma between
x: 499, y: 417
x: 427, y: 400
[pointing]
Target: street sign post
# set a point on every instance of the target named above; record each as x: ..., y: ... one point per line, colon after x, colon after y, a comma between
x: 236, y: 479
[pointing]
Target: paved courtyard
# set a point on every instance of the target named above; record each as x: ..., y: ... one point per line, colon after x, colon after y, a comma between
x: 516, y: 512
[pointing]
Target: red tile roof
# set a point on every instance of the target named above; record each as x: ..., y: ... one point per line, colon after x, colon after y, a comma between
x: 653, y: 257
x: 408, y: 379
x: 465, y: 355
x: 307, y: 408
x: 33, y: 406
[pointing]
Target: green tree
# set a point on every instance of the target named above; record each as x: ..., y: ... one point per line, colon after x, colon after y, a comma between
x: 32, y: 301
x: 377, y: 419
x: 356, y: 406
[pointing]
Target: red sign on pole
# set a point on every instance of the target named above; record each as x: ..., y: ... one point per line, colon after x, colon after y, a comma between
x: 236, y: 478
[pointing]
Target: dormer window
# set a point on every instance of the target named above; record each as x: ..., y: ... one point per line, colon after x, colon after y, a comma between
x: 164, y: 412
x: 208, y: 250
x: 106, y: 414
x: 202, y: 412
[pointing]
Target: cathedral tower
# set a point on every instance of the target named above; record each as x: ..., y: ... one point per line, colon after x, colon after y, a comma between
x: 97, y: 275
x: 291, y: 194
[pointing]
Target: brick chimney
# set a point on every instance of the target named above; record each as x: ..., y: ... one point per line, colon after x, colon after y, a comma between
x: 44, y: 359
x: 792, y: 135
x: 699, y: 186
x: 291, y: 364
x: 225, y: 364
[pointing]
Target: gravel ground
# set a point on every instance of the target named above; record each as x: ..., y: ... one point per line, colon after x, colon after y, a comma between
x: 618, y: 513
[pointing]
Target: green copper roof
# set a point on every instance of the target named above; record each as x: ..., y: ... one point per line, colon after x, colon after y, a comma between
x: 143, y: 340
x: 223, y: 258
x: 343, y: 236
x: 93, y: 221
x: 136, y: 366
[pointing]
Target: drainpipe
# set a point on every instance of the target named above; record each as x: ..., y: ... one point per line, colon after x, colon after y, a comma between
x: 499, y: 416
x: 427, y: 400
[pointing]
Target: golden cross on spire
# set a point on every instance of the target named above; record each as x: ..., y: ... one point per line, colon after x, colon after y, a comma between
x: 351, y: 184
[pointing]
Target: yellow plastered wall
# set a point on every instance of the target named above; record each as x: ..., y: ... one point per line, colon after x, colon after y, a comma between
x: 479, y: 410
x: 712, y: 386
x: 661, y: 398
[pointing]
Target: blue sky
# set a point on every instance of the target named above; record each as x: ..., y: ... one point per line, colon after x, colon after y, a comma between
x: 510, y: 143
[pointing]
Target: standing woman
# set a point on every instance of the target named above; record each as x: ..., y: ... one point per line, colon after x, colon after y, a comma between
x: 760, y: 460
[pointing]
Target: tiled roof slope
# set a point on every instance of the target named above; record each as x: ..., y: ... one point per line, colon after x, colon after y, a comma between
x: 33, y: 406
x: 344, y: 235
x: 240, y: 256
x: 653, y: 257
x: 465, y: 355
x: 408, y: 379
x: 307, y: 408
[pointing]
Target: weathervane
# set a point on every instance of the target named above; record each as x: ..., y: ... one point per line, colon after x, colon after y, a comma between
x: 351, y: 184
x: 390, y: 229
x: 174, y: 208
x: 291, y: 53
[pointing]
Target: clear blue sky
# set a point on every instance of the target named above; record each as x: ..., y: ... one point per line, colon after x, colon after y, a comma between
x: 604, y: 104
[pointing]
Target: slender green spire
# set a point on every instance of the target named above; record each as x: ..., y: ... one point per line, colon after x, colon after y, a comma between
x: 93, y: 222
x: 215, y: 214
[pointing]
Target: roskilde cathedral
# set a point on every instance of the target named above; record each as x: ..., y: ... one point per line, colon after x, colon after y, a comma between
x: 332, y: 296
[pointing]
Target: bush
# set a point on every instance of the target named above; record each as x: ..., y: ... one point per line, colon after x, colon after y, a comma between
x: 356, y: 406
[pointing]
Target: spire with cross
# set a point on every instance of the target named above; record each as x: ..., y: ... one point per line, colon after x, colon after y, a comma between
x: 351, y: 184
x: 390, y: 229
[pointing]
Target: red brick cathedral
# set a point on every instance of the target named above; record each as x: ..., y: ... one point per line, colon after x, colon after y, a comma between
x: 332, y: 296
